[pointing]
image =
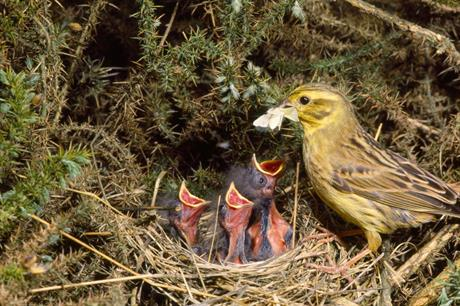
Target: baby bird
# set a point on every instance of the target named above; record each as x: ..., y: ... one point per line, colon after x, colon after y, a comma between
x: 265, y: 233
x: 234, y: 219
x: 366, y: 184
x: 269, y: 234
x: 184, y: 214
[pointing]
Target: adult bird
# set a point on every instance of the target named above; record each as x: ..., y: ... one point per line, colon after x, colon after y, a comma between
x: 374, y: 188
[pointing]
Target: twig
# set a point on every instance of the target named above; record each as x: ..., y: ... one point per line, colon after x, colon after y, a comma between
x: 423, y: 255
x: 215, y: 229
x: 385, y: 296
x: 97, y: 234
x: 441, y: 42
x: 369, y: 267
x: 296, y: 202
x: 187, y: 286
x: 118, y: 264
x: 226, y: 296
x: 96, y: 282
x: 377, y: 134
x: 430, y: 293
x: 419, y: 125
x: 78, y: 241
x: 133, y: 298
x: 96, y: 8
x: 440, y: 8
x: 192, y: 254
x: 157, y: 186
x: 455, y: 187
x: 341, y: 301
x: 168, y: 27
x: 90, y: 194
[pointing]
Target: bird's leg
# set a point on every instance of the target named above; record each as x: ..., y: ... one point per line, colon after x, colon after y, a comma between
x: 328, y: 236
x: 343, y: 268
x: 373, y: 239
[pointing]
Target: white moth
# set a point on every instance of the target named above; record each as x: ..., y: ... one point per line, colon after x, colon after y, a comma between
x: 274, y: 117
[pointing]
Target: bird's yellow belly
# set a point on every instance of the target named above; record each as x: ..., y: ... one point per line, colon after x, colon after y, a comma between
x: 361, y: 212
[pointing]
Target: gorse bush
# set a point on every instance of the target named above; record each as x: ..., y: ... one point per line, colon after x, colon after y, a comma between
x: 103, y: 96
x: 17, y: 116
x: 450, y: 293
x: 26, y: 183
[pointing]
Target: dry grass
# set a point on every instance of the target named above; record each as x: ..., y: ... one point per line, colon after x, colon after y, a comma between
x: 179, y: 100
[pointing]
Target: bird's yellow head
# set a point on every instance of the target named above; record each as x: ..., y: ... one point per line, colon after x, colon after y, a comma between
x: 319, y: 106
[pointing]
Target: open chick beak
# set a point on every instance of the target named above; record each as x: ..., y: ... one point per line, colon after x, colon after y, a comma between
x: 271, y: 167
x: 190, y: 212
x: 235, y: 223
x: 189, y: 199
x: 235, y: 200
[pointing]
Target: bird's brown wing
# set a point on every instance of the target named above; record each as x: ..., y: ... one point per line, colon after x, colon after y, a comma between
x: 389, y: 179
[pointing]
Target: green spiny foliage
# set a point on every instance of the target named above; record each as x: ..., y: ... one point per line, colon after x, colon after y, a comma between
x: 450, y: 294
x: 453, y: 3
x: 29, y: 192
x: 32, y: 191
x: 16, y: 114
x: 186, y: 105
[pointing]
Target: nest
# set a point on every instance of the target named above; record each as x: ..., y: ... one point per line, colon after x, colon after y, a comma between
x: 308, y: 273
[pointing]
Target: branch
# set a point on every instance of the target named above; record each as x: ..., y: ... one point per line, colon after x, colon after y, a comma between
x: 430, y: 293
x: 95, y: 10
x: 442, y: 43
x: 424, y: 254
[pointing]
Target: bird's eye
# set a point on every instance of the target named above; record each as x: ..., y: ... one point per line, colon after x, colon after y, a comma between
x: 304, y: 100
x: 262, y: 180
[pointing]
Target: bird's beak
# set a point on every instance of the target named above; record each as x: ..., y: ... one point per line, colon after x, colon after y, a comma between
x: 285, y: 103
x: 189, y: 199
x: 271, y: 167
x: 191, y: 209
x: 289, y: 111
x: 235, y: 199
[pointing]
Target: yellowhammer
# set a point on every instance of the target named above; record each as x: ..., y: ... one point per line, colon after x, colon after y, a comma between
x: 366, y: 184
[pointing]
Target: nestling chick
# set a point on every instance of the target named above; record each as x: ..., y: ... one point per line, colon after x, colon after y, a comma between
x: 266, y: 233
x: 270, y: 235
x: 234, y: 219
x: 184, y: 214
x: 366, y: 184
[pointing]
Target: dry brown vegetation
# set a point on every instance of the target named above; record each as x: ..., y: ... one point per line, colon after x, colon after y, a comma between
x: 97, y: 98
